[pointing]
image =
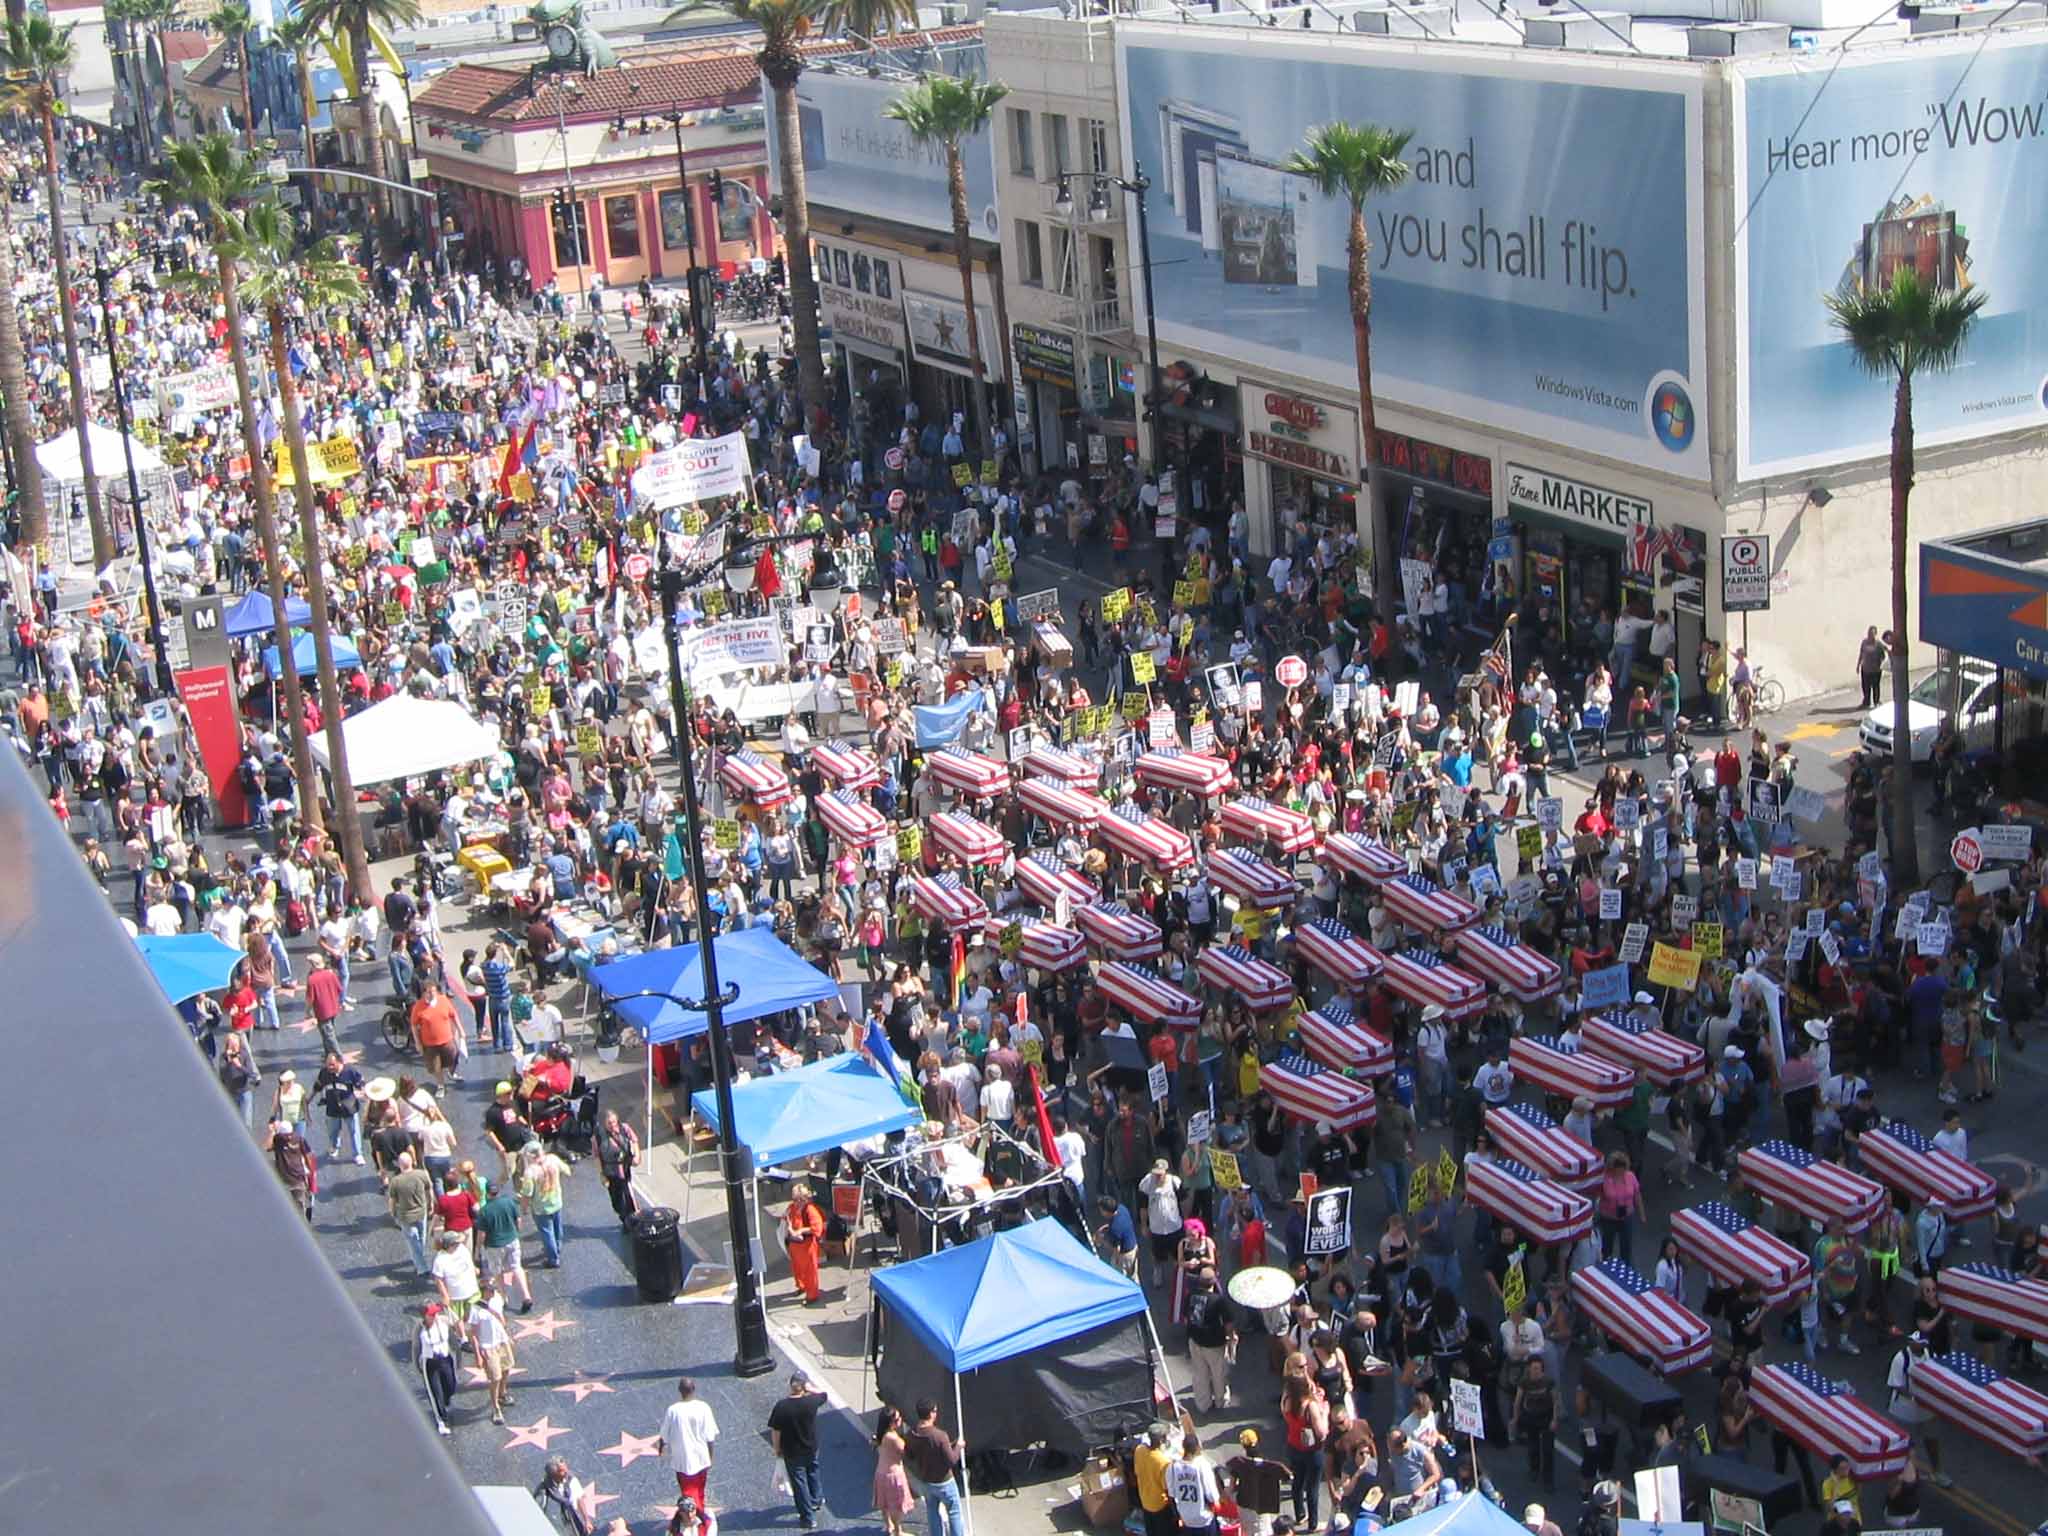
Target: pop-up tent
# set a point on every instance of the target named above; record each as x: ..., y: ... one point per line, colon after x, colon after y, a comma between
x: 187, y: 964
x: 253, y: 615
x: 306, y: 659
x: 771, y: 977
x: 1473, y: 1514
x: 828, y: 1103
x: 405, y: 736
x: 983, y: 1318
x: 59, y: 458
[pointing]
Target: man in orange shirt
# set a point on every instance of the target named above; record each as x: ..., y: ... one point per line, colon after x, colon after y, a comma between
x: 433, y: 1030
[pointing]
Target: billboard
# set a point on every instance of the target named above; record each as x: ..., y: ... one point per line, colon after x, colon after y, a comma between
x: 860, y: 161
x: 1541, y: 271
x: 1847, y: 167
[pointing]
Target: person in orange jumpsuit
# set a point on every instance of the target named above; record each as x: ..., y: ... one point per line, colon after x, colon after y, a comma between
x: 803, y: 1231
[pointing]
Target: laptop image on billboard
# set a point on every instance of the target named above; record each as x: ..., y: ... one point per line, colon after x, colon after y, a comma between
x: 1265, y: 217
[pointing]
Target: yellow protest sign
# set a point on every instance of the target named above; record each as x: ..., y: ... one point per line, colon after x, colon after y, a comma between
x: 1183, y: 593
x: 714, y: 600
x: 1146, y: 611
x: 1707, y: 940
x: 540, y: 701
x: 1143, y: 669
x: 1033, y: 1052
x: 1202, y: 592
x: 1446, y: 1173
x: 1116, y: 605
x: 328, y: 462
x: 963, y: 476
x: 999, y: 567
x: 1135, y: 706
x: 725, y: 833
x: 910, y: 844
x: 1674, y: 967
x: 1223, y: 1169
x: 1197, y: 567
x: 693, y: 523
x: 894, y: 676
x: 995, y: 613
x: 522, y: 492
x: 1012, y: 939
x: 589, y: 741
x: 394, y: 613
x: 1418, y: 1187
x: 1514, y: 1291
x: 988, y: 471
x: 1529, y: 842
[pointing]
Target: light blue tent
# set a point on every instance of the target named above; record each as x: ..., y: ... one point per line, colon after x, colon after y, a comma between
x: 253, y: 615
x: 186, y: 965
x: 306, y: 660
x: 828, y: 1103
x: 771, y: 977
x: 1473, y: 1514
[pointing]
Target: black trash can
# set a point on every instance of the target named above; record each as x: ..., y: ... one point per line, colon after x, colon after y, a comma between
x: 658, y: 1253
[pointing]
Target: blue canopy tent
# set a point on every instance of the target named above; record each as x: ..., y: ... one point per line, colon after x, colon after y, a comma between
x: 1472, y: 1514
x: 985, y: 1314
x: 306, y: 659
x: 253, y: 615
x: 771, y: 978
x: 790, y: 1115
x: 187, y: 964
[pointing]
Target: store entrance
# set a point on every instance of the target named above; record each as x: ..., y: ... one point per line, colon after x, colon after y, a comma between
x: 1567, y: 584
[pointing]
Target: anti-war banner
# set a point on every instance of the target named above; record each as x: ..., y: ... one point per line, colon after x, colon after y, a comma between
x: 701, y: 469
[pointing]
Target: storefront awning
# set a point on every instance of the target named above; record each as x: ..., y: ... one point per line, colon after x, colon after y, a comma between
x: 1987, y: 596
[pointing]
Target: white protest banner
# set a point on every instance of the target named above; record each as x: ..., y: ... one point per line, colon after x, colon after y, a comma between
x: 1869, y: 867
x: 1985, y: 881
x: 1329, y: 1222
x: 1408, y: 698
x: 1816, y: 919
x: 1202, y: 736
x: 1466, y: 1416
x: 890, y: 640
x: 1628, y: 815
x: 1610, y: 904
x: 1162, y: 729
x: 701, y: 469
x: 1254, y: 696
x: 1745, y: 874
x: 203, y: 389
x: 1198, y: 1126
x: 1634, y: 940
x: 1340, y: 700
x: 1831, y: 947
x: 1550, y: 812
x: 2001, y: 842
x: 1795, y: 946
x: 649, y: 654
x: 1485, y: 880
x: 465, y: 607
x: 1931, y: 938
x: 731, y: 645
x: 1683, y: 910
x: 1040, y: 605
x: 1805, y: 805
x: 1660, y: 841
x: 1156, y: 1082
x: 1908, y: 920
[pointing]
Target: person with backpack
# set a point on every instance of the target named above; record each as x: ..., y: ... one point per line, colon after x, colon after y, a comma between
x: 1905, y: 1408
x: 1212, y: 1341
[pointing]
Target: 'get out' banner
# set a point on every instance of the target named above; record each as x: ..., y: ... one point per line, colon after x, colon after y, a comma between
x: 1850, y: 165
x: 1541, y: 271
x: 701, y: 469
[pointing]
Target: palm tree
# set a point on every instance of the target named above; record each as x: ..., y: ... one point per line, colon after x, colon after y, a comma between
x: 276, y: 270
x: 20, y: 428
x: 348, y: 26
x: 231, y: 19
x: 38, y: 55
x: 944, y: 109
x: 1906, y: 328
x: 1353, y: 161
x: 218, y: 180
x: 783, y: 25
x: 302, y: 39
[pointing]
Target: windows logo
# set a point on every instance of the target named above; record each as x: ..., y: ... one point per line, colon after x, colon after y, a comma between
x: 1671, y: 414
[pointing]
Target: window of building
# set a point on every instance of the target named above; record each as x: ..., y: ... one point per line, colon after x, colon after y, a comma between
x: 1022, y: 162
x: 1030, y: 254
x: 1098, y: 145
x: 622, y: 227
x: 1056, y: 161
x: 1102, y: 260
x: 572, y: 235
x: 1063, y: 259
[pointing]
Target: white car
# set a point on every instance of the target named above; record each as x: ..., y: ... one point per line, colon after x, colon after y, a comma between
x: 1977, y: 687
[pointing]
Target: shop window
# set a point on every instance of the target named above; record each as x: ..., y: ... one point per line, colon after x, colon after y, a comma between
x: 1030, y: 255
x: 1056, y: 163
x: 572, y: 235
x: 622, y: 227
x: 1022, y: 160
x: 1098, y: 146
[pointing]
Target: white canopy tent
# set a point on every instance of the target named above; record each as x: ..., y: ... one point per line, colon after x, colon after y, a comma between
x: 59, y: 456
x: 405, y: 736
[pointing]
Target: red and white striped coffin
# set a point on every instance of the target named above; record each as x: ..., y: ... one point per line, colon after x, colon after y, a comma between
x: 1251, y: 879
x: 968, y: 840
x: 1425, y: 906
x: 848, y: 767
x: 1059, y: 803
x: 1811, y: 1185
x: 1309, y: 1091
x: 1119, y: 932
x: 1337, y: 952
x: 1506, y: 961
x: 1632, y: 1042
x: 969, y: 773
x: 1827, y: 1418
x: 1067, y: 768
x: 753, y: 777
x: 1260, y: 821
x: 1965, y: 1391
x: 1423, y: 977
x: 1568, y: 1074
x: 1530, y: 1136
x: 1646, y: 1322
x: 1238, y: 970
x: 1373, y: 862
x: 1158, y: 845
x: 1518, y: 1195
x: 1908, y: 1160
x: 852, y: 819
x: 2000, y: 1298
x: 1196, y: 772
x: 1148, y: 996
x: 1043, y: 878
x: 944, y: 900
x: 1334, y: 1036
x: 1044, y: 943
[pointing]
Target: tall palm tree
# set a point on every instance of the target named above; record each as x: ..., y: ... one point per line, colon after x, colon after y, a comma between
x: 36, y: 57
x: 302, y: 39
x: 1898, y: 332
x: 19, y: 426
x: 213, y: 177
x: 945, y: 109
x: 237, y: 27
x: 348, y: 26
x: 783, y: 25
x: 277, y: 269
x: 1354, y: 161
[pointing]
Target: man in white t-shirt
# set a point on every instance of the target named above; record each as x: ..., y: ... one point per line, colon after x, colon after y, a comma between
x: 1191, y: 1484
x: 688, y: 1434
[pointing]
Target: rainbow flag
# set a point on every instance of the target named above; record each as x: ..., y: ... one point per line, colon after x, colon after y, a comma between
x: 958, y: 982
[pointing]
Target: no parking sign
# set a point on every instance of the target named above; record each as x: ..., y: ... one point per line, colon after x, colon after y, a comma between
x: 1745, y: 572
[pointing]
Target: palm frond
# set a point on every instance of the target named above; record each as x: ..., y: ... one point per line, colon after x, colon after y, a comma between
x: 1352, y: 161
x: 1906, y: 327
x: 945, y: 109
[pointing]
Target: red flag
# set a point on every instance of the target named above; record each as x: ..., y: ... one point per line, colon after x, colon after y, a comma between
x: 516, y: 450
x: 1045, y: 1142
x: 766, y: 577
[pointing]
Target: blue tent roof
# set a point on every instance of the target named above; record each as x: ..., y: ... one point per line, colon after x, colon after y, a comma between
x: 306, y: 660
x: 771, y: 977
x: 1006, y: 1294
x: 253, y: 615
x: 187, y: 964
x: 1472, y: 1515
x: 788, y: 1115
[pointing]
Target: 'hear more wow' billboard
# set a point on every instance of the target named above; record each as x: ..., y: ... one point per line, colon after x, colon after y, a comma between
x: 1849, y: 166
x: 1541, y: 271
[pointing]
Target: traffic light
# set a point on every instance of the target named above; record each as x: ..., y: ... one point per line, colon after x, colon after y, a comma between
x: 718, y: 189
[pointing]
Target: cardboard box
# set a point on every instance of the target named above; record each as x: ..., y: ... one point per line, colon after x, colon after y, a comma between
x: 1104, y: 1499
x: 984, y: 659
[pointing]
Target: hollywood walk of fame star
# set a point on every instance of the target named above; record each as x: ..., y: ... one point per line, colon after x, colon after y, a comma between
x: 546, y: 1326
x: 351, y: 1055
x: 632, y: 1447
x: 597, y: 1499
x: 583, y: 1387
x: 538, y: 1433
x: 305, y: 1026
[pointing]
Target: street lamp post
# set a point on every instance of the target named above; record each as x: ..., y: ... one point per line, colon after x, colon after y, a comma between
x: 751, y: 1326
x: 575, y: 209
x: 1137, y: 184
x: 698, y: 282
x: 103, y: 275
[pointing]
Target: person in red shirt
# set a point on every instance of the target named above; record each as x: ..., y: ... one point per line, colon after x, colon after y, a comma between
x: 456, y: 1207
x: 242, y: 1007
x: 324, y: 1002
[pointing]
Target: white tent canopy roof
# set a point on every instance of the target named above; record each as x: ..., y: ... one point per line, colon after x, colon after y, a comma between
x: 59, y: 456
x: 405, y: 736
